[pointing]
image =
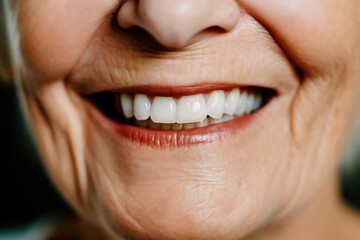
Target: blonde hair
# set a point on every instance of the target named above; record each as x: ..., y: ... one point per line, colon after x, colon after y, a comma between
x: 4, y: 52
x: 10, y: 58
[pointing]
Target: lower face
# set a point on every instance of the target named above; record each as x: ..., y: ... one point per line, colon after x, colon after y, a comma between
x: 156, y: 145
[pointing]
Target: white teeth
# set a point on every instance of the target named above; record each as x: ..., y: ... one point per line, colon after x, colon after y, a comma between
x: 215, y: 121
x: 250, y: 103
x: 166, y: 113
x: 228, y: 117
x: 257, y: 101
x: 153, y: 125
x: 189, y: 126
x: 232, y: 101
x: 241, y: 106
x: 216, y: 104
x: 142, y: 123
x: 163, y: 110
x: 142, y: 107
x: 203, y: 123
x: 191, y: 109
x: 127, y: 105
x: 176, y: 126
x: 165, y: 126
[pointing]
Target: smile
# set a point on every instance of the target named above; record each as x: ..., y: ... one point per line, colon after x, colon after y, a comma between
x: 180, y: 113
x: 173, y: 118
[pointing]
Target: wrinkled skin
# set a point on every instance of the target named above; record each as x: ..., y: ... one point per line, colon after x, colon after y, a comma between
x: 256, y: 181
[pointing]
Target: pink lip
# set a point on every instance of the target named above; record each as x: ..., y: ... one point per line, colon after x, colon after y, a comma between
x: 182, y: 138
x: 173, y: 91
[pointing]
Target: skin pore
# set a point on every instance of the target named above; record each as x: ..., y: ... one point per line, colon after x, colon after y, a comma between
x: 273, y: 178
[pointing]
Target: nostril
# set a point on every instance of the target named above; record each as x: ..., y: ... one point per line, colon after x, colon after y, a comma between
x: 215, y: 29
x: 126, y: 17
x: 174, y: 24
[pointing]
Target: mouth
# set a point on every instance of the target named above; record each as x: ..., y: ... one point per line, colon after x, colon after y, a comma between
x: 180, y: 116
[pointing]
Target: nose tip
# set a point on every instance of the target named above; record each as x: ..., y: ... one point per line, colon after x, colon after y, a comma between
x: 174, y: 23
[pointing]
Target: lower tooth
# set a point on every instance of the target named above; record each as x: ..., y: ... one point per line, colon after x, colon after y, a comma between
x: 203, y: 123
x: 142, y: 123
x: 176, y: 126
x: 165, y: 126
x: 227, y: 118
x: 215, y: 121
x: 153, y: 126
x: 189, y: 126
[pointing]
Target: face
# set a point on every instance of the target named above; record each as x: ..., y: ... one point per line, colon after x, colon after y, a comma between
x: 88, y: 66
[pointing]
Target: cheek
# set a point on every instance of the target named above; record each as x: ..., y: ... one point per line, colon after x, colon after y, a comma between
x: 316, y: 34
x: 55, y: 33
x: 321, y: 37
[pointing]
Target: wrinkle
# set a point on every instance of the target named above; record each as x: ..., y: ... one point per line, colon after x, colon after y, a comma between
x: 92, y: 37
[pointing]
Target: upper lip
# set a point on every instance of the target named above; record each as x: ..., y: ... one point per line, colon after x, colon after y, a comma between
x: 88, y: 80
x: 172, y: 91
x: 157, y: 89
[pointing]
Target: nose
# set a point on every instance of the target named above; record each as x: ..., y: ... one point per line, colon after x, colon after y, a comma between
x: 174, y: 23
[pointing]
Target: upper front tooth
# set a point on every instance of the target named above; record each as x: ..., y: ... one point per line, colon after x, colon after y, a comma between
x: 191, y: 109
x: 232, y: 101
x: 142, y: 107
x: 216, y: 104
x: 127, y: 105
x: 163, y: 110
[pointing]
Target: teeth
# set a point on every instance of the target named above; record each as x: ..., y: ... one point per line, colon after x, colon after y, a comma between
x: 189, y: 126
x: 165, y: 126
x: 227, y: 117
x: 127, y: 105
x: 191, y: 109
x: 241, y: 106
x: 142, y: 107
x: 163, y: 110
x: 203, y: 123
x: 215, y: 121
x: 166, y: 113
x: 232, y: 101
x: 176, y: 126
x: 216, y: 104
x: 257, y: 101
x: 153, y: 125
x: 142, y: 123
x: 249, y: 103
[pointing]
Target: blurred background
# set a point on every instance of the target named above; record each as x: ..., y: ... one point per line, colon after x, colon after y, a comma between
x: 25, y: 190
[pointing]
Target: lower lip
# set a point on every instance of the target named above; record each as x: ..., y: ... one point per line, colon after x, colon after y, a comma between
x: 176, y: 139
